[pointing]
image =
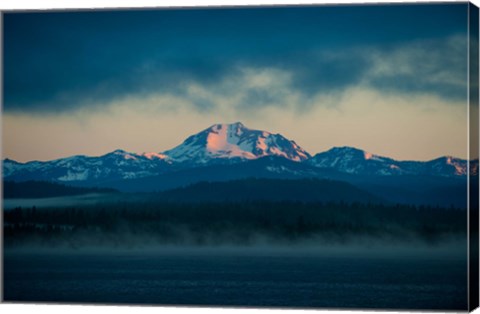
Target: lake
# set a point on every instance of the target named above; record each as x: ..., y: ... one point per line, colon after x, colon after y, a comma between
x: 381, y: 279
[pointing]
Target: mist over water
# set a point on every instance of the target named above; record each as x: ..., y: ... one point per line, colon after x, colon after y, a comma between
x: 129, y: 221
x: 135, y: 249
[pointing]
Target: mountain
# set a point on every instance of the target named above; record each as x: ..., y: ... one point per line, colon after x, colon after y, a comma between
x: 251, y: 189
x: 225, y: 152
x: 234, y: 142
x: 272, y: 167
x: 355, y: 161
x: 220, y: 143
x: 115, y: 165
x: 409, y: 189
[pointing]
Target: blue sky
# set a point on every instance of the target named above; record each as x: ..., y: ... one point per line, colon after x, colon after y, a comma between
x: 232, y: 64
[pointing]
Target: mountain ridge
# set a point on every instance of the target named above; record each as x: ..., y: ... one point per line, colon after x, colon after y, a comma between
x: 263, y: 189
x: 226, y: 144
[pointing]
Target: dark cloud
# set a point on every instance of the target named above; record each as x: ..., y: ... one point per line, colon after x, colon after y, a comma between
x: 60, y: 61
x: 430, y: 66
x: 328, y: 72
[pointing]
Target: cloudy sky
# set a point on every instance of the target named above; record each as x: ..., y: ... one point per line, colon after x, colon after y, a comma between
x: 388, y: 79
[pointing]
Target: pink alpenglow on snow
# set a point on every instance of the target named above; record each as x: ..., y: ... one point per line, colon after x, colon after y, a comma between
x: 370, y: 156
x: 235, y: 141
x: 155, y: 156
x: 460, y: 168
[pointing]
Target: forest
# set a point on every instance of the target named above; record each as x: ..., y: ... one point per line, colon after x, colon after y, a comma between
x: 158, y: 222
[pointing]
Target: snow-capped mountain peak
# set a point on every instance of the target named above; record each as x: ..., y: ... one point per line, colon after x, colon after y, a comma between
x: 229, y: 144
x: 448, y: 165
x: 356, y: 161
x: 232, y: 142
x: 225, y: 139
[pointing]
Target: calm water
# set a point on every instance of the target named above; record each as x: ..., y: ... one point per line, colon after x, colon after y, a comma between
x: 239, y: 278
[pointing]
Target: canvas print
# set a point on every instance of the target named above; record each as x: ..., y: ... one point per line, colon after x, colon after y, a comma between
x: 282, y: 156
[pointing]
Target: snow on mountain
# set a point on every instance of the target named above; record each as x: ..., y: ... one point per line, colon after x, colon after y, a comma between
x: 447, y: 166
x: 10, y: 167
x: 355, y: 161
x: 234, y: 142
x: 474, y: 167
x: 115, y: 165
x: 218, y: 144
x: 152, y: 156
x: 228, y: 144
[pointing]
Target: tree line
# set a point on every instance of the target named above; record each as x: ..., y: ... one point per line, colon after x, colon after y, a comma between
x: 238, y: 223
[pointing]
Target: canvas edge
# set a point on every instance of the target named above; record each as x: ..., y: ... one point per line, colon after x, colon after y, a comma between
x: 2, y: 271
x: 473, y: 153
x: 473, y: 137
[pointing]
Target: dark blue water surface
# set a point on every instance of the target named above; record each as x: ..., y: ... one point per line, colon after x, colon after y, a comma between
x: 256, y: 278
